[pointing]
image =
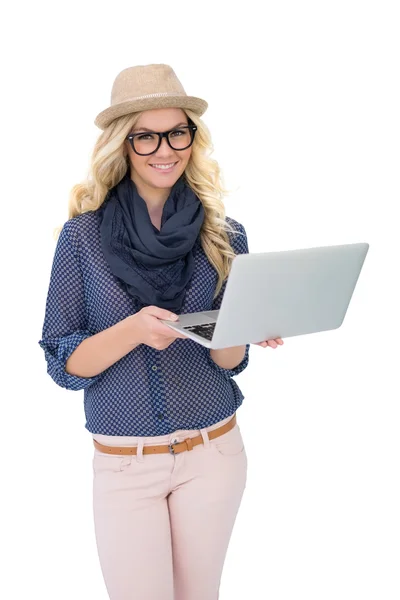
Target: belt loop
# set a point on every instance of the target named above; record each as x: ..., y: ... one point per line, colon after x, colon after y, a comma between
x: 139, y: 451
x: 206, y: 439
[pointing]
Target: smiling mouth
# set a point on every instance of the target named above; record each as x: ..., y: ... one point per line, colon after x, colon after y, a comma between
x: 163, y: 167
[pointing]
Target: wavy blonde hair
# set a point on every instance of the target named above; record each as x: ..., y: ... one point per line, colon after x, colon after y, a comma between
x: 109, y: 163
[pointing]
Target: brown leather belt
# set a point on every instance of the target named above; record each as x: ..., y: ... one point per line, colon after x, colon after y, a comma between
x: 172, y: 448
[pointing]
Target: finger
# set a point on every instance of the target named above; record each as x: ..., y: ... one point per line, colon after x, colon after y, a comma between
x: 161, y: 313
x: 279, y: 341
x: 180, y: 334
x: 272, y: 344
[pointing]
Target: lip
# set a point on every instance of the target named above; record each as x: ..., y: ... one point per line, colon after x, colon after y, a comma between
x: 164, y: 170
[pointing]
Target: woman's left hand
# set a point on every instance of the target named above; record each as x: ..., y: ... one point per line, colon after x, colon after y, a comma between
x: 271, y: 343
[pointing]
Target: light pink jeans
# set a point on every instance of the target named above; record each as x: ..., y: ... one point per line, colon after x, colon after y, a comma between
x: 163, y: 522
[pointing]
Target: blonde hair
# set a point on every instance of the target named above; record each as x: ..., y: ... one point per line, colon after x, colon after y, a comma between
x: 109, y: 165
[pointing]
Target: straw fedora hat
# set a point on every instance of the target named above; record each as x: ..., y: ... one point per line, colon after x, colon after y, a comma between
x: 144, y: 88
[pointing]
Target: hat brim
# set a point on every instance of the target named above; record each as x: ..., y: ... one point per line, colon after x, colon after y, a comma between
x: 197, y: 105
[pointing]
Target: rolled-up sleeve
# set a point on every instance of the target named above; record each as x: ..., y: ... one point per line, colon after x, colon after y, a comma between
x: 240, y: 246
x: 64, y: 326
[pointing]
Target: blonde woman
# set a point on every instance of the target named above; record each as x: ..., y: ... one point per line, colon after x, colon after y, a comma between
x: 147, y: 239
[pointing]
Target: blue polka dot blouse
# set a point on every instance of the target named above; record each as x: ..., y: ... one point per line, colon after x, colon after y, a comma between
x: 148, y: 392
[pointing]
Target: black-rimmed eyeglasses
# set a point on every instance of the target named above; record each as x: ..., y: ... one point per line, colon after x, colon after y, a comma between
x: 148, y: 142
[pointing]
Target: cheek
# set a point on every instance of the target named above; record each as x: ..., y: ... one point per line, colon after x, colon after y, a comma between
x: 138, y: 162
x: 186, y: 156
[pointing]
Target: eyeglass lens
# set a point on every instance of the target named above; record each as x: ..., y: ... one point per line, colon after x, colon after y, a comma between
x: 146, y: 143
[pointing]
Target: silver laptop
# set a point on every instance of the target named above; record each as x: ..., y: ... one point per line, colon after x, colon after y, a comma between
x: 279, y: 294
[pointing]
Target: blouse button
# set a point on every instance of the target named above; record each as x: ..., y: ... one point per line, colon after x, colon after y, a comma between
x: 154, y: 367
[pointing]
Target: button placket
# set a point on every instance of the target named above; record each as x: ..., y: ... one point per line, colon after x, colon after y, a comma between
x: 154, y: 368
x: 160, y: 409
x: 156, y: 374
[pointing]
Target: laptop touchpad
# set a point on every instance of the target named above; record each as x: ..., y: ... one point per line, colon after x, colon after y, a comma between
x: 199, y: 319
x: 211, y: 315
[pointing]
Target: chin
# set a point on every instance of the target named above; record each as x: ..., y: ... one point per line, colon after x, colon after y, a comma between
x: 164, y: 181
x: 167, y: 183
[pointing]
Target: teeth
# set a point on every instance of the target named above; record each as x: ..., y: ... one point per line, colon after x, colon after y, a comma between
x: 163, y: 166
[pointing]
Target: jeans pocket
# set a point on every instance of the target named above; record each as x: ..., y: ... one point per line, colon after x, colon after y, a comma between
x: 229, y: 444
x: 110, y: 463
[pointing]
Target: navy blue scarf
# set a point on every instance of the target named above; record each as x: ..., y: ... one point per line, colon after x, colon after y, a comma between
x: 153, y: 266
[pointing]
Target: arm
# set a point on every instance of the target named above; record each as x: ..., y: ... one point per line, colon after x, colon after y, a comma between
x: 228, y: 358
x: 98, y: 352
x: 75, y: 357
x: 232, y: 360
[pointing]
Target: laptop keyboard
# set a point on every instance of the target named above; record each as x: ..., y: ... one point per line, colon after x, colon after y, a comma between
x: 206, y: 331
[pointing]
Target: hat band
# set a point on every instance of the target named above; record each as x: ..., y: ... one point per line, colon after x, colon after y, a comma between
x: 158, y: 95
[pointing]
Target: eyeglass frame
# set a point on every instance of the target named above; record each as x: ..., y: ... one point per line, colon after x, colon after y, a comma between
x: 161, y: 135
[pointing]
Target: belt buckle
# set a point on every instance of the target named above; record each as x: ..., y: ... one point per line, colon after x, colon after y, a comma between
x: 170, y: 447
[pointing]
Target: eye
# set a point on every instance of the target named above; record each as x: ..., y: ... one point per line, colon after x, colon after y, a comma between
x: 145, y: 137
x: 178, y: 132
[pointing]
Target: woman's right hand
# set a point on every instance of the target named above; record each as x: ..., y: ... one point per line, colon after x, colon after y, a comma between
x: 147, y: 328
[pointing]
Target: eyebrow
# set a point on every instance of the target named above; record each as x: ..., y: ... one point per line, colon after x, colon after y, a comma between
x: 145, y: 128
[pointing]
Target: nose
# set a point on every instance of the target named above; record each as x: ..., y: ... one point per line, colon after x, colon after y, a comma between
x: 164, y: 149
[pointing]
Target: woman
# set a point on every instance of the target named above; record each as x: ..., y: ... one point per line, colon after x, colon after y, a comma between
x: 147, y: 239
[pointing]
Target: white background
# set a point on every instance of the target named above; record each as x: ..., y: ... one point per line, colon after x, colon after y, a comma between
x: 304, y: 111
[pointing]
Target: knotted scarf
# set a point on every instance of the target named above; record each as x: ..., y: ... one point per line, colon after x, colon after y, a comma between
x: 154, y: 266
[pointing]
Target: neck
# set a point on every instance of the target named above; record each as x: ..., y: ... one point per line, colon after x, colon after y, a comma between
x: 155, y: 198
